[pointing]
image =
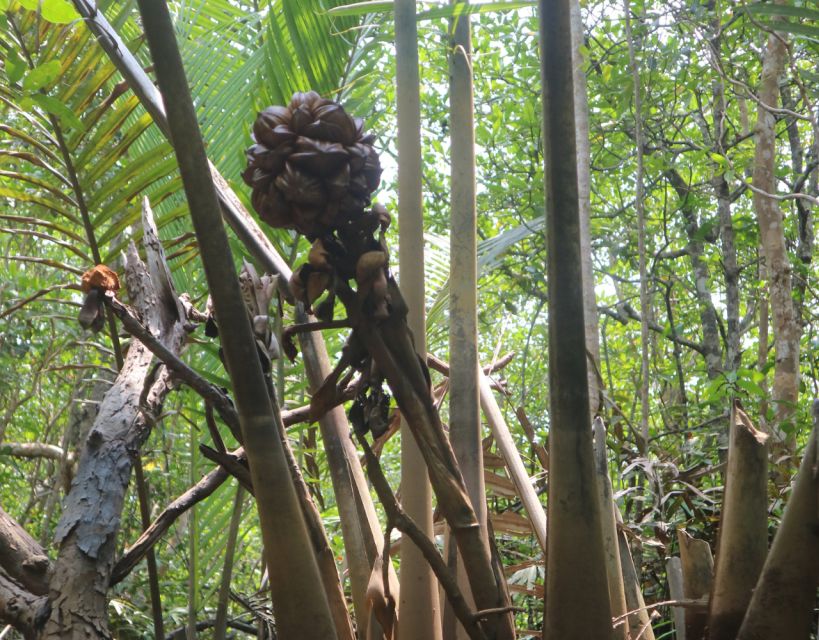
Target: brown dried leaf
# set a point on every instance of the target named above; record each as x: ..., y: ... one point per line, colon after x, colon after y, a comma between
x: 100, y: 277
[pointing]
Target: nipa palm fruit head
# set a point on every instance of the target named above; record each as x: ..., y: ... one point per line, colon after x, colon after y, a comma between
x: 312, y: 167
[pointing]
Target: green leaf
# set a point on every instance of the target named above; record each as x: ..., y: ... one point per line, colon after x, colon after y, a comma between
x: 55, y: 107
x: 751, y: 387
x: 4, y: 5
x: 719, y: 159
x: 59, y: 11
x: 782, y: 10
x: 461, y: 8
x: 361, y: 8
x: 442, y: 11
x: 15, y: 66
x: 31, y: 5
x: 41, y: 76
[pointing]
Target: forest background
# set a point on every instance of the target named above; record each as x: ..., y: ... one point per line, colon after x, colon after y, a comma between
x: 699, y: 298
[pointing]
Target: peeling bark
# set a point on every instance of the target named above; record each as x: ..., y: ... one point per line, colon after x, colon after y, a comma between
x: 86, y: 533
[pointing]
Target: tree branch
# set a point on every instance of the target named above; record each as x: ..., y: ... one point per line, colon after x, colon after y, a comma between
x: 22, y: 557
x: 625, y: 312
x: 198, y: 492
x: 20, y: 608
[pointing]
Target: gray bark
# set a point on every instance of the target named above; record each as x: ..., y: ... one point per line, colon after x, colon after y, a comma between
x: 86, y: 533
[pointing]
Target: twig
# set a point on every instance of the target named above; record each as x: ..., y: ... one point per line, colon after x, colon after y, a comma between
x: 696, y: 603
x: 182, y: 371
x: 19, y: 305
x: 442, y: 367
x: 198, y: 492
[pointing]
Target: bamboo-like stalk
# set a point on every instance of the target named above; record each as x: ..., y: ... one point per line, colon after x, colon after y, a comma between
x: 673, y: 569
x: 514, y: 464
x: 299, y: 602
x: 639, y: 618
x: 464, y: 405
x: 698, y: 576
x: 220, y: 626
x: 193, y: 534
x: 150, y: 557
x: 420, y: 615
x: 783, y: 602
x: 581, y: 117
x: 577, y: 599
x: 614, y: 568
x: 743, y: 534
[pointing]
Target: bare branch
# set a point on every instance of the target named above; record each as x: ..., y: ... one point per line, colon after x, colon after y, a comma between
x: 22, y: 557
x: 198, y: 492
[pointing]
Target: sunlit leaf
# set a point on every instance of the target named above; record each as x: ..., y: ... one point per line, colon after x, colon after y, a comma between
x: 59, y: 11
x: 41, y: 76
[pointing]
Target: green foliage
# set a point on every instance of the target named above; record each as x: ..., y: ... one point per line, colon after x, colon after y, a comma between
x: 70, y: 133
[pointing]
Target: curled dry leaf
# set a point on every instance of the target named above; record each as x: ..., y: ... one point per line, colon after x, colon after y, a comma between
x: 100, y: 277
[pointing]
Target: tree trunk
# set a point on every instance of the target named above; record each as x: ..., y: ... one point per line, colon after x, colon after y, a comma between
x: 639, y: 206
x: 786, y: 327
x: 708, y: 314
x: 86, y: 533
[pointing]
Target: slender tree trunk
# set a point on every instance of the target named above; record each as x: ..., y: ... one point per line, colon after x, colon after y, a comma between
x: 804, y: 248
x: 577, y: 599
x: 645, y: 346
x: 708, y: 314
x: 721, y: 187
x: 786, y: 329
x: 420, y: 614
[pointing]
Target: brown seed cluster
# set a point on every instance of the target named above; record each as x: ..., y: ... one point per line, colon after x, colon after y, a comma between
x: 312, y: 167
